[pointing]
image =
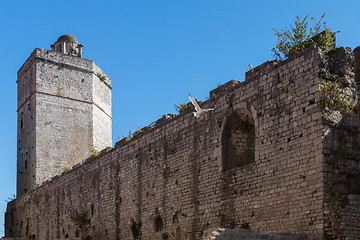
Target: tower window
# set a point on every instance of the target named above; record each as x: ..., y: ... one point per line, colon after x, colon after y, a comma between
x: 26, y: 160
x: 238, y: 140
x: 22, y: 120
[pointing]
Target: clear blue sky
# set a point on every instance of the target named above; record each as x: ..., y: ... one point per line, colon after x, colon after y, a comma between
x: 155, y: 51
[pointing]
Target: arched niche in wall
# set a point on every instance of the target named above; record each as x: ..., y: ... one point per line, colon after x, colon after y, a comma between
x: 238, y: 140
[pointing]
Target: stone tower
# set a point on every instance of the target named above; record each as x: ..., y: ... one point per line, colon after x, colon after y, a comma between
x: 64, y: 112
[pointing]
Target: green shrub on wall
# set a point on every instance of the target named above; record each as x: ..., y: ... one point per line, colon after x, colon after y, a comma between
x: 182, y: 107
x: 333, y: 98
x: 294, y: 40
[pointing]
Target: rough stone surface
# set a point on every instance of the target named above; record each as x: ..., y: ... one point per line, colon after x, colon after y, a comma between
x: 238, y: 234
x: 357, y: 63
x: 64, y: 113
x: 341, y: 166
x: 13, y: 239
x: 169, y: 182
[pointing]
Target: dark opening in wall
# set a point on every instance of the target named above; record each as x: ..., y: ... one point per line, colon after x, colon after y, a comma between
x: 22, y: 120
x: 238, y: 140
x: 135, y: 229
x: 158, y: 223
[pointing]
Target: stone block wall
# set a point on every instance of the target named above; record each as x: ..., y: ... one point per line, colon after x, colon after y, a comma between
x: 357, y: 63
x: 26, y: 125
x: 238, y: 234
x: 170, y: 181
x: 351, y: 216
x: 64, y: 113
x: 101, y: 112
x: 341, y: 151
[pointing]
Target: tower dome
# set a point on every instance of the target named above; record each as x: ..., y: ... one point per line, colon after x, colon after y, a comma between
x: 68, y: 44
x: 67, y: 38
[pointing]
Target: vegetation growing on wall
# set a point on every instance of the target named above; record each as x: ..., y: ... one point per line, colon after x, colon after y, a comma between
x: 182, y: 107
x: 81, y: 220
x: 140, y: 131
x: 95, y: 153
x: 170, y: 149
x: 101, y: 77
x: 333, y: 98
x: 299, y: 37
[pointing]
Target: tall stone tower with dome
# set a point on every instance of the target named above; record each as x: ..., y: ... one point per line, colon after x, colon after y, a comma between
x: 64, y: 112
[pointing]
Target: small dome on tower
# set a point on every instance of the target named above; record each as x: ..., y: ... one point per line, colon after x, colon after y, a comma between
x: 68, y: 44
x: 67, y: 38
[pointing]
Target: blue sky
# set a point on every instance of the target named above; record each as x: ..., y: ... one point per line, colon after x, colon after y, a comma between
x: 155, y: 51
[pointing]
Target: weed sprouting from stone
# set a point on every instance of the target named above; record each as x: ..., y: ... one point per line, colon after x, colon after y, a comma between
x: 81, y: 220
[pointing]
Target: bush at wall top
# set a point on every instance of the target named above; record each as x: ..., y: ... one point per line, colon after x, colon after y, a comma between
x: 294, y: 40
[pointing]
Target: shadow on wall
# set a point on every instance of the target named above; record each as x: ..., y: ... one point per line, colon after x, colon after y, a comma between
x: 238, y: 140
x: 341, y: 150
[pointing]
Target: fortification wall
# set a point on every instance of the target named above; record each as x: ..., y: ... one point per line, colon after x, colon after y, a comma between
x: 64, y: 113
x: 187, y: 175
x: 26, y: 125
x: 101, y: 112
x: 341, y: 149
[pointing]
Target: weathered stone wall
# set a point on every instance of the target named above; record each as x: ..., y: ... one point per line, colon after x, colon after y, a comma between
x: 62, y: 117
x: 237, y: 234
x: 341, y: 150
x: 26, y: 125
x: 351, y: 216
x: 357, y: 63
x: 170, y: 182
x: 101, y: 112
x: 61, y: 141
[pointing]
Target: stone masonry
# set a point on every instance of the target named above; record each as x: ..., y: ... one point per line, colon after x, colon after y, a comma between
x: 238, y: 234
x: 267, y: 159
x: 64, y: 113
